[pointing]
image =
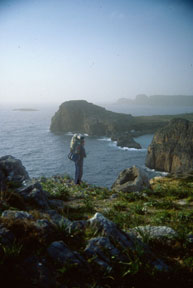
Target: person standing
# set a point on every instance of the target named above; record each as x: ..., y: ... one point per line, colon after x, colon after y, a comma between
x: 78, y: 152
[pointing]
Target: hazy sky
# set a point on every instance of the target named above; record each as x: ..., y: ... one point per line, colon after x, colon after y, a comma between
x: 98, y: 50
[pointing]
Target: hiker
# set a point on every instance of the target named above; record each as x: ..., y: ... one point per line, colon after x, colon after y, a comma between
x: 78, y: 154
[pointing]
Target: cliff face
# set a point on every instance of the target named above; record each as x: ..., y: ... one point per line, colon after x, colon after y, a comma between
x: 171, y: 149
x: 81, y: 116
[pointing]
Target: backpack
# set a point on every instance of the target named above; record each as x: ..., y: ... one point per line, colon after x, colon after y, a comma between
x: 74, y: 143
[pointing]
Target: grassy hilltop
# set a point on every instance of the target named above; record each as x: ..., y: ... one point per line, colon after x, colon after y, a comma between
x: 168, y: 202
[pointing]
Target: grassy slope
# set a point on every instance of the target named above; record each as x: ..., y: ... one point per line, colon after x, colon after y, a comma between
x: 169, y: 202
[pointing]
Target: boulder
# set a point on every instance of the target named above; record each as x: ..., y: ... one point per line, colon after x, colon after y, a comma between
x: 154, y: 232
x: 117, y: 244
x: 33, y: 194
x: 171, y: 149
x: 17, y: 214
x: 60, y: 253
x: 126, y: 140
x: 131, y: 180
x: 12, y: 171
x: 59, y: 220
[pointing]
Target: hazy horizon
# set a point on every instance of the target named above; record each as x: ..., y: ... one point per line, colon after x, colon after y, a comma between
x: 99, y: 51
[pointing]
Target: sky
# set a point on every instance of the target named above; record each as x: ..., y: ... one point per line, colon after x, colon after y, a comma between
x: 97, y: 50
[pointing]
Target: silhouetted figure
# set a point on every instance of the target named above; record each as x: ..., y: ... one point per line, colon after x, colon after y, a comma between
x: 77, y: 155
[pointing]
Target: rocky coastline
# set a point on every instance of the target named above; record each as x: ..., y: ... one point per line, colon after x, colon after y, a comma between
x: 79, y: 116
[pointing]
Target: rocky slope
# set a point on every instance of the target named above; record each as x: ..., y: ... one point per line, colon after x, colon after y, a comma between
x: 171, y: 149
x: 56, y: 234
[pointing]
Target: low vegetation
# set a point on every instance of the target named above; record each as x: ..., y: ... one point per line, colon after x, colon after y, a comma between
x: 169, y: 202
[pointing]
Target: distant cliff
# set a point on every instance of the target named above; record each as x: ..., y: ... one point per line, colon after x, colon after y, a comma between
x: 171, y: 149
x: 81, y: 116
x: 158, y: 100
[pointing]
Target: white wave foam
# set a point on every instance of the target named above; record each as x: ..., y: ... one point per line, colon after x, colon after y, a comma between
x: 114, y: 144
x: 104, y: 139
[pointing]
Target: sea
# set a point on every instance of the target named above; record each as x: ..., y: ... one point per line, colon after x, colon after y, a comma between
x: 26, y: 136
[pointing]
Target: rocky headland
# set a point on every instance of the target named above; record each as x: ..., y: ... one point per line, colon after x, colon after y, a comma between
x: 57, y: 234
x: 83, y: 117
x: 171, y: 149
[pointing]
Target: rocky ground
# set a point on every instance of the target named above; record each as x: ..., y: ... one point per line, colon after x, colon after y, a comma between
x: 57, y: 234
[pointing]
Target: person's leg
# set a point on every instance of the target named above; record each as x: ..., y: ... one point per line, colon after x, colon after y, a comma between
x: 80, y: 170
x: 76, y: 181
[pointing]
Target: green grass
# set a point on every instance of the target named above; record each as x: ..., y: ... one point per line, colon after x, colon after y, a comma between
x: 169, y: 202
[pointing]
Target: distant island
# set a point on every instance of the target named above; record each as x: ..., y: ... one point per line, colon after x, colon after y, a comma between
x: 25, y: 109
x: 158, y: 100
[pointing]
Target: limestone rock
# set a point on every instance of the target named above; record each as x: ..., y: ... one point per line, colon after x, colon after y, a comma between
x: 11, y: 171
x: 131, y: 180
x: 109, y: 229
x: 60, y: 253
x: 33, y: 193
x: 17, y: 214
x: 126, y: 242
x: 171, y: 149
x: 58, y: 219
x: 154, y: 232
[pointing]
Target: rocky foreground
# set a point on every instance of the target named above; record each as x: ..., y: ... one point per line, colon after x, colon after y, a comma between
x: 57, y: 234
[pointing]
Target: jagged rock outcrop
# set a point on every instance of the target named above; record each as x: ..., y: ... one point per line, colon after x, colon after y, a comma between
x: 11, y: 170
x: 131, y: 180
x: 126, y: 140
x: 171, y: 149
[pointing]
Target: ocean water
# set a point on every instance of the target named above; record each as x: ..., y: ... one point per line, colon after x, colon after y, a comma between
x: 26, y: 136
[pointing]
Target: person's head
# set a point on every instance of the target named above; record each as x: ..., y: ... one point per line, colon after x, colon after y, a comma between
x: 81, y: 138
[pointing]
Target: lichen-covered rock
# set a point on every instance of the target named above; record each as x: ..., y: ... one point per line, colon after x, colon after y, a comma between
x: 131, y: 180
x: 103, y: 252
x: 171, y: 149
x: 154, y: 232
x: 59, y: 220
x: 109, y: 229
x: 33, y: 194
x: 125, y: 241
x: 17, y: 214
